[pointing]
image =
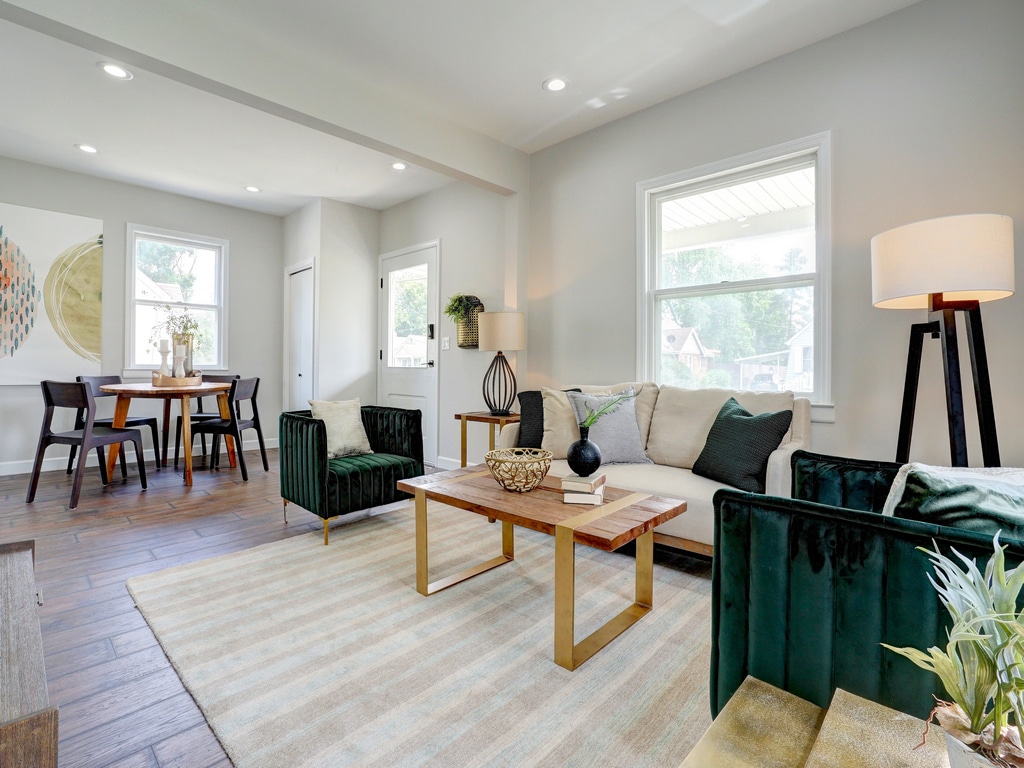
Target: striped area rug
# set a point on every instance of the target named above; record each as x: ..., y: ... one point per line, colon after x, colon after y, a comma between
x: 305, y: 655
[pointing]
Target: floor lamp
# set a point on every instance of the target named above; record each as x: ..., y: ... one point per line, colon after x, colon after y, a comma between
x: 501, y: 331
x: 946, y: 265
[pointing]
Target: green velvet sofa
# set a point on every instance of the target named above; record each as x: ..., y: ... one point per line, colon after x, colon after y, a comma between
x: 333, y: 487
x: 805, y: 589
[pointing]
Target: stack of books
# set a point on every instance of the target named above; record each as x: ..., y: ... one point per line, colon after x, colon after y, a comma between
x: 583, y: 490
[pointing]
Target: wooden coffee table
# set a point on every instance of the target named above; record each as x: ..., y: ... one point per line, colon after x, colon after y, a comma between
x: 625, y: 516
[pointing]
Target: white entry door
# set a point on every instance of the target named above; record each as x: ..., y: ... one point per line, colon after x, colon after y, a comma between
x: 407, y: 358
x: 300, y: 339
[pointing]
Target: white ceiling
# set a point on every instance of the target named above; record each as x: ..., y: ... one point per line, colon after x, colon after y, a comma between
x: 478, y: 65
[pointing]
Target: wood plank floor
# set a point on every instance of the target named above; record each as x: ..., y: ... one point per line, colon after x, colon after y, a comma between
x: 121, y: 704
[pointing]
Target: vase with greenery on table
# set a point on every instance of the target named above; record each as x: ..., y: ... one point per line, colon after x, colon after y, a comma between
x: 463, y: 310
x: 183, y: 329
x: 584, y: 456
x: 982, y: 667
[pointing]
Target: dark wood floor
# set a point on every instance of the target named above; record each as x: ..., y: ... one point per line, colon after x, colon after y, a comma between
x: 121, y: 703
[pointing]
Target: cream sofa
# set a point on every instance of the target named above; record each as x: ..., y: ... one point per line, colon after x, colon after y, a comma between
x: 674, y: 425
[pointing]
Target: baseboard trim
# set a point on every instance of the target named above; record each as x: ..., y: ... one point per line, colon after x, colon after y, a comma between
x: 58, y: 459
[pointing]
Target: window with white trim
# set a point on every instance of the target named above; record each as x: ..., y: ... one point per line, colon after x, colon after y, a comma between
x: 734, y: 273
x: 174, y: 273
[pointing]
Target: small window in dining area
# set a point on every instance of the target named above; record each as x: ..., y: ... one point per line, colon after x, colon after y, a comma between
x: 173, y: 273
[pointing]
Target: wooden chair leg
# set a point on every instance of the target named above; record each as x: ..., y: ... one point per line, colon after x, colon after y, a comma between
x: 241, y: 456
x: 156, y: 445
x: 124, y: 463
x: 37, y: 467
x: 76, y: 486
x: 101, y: 455
x: 140, y: 457
x: 71, y: 459
x: 177, y: 440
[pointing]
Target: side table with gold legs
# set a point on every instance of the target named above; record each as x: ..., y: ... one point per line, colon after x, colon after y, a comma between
x: 484, y: 417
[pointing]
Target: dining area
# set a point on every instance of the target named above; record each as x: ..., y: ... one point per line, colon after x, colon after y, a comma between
x: 230, y: 408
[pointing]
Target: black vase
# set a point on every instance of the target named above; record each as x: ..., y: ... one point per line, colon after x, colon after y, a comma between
x: 583, y: 456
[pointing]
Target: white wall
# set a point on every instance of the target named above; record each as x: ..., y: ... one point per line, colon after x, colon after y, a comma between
x: 341, y: 241
x: 254, y: 293
x: 926, y: 112
x: 475, y: 254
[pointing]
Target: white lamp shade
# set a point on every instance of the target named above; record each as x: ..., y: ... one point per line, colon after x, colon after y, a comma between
x: 965, y: 258
x: 505, y: 331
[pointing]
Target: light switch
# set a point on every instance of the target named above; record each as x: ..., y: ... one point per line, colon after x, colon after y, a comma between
x: 446, y: 342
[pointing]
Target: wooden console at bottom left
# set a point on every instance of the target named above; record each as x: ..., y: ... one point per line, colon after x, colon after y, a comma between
x: 28, y: 724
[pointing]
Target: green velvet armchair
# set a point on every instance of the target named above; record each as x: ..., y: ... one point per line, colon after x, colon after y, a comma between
x: 805, y: 589
x: 330, y: 488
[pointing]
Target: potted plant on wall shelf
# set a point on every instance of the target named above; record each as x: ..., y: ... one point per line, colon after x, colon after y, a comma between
x: 982, y: 667
x: 463, y: 310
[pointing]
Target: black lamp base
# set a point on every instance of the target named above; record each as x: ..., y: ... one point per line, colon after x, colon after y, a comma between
x: 499, y: 386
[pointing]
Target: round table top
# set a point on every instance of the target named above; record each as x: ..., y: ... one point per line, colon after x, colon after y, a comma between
x: 148, y: 390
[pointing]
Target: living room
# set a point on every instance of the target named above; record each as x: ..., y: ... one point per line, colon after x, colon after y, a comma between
x: 924, y: 113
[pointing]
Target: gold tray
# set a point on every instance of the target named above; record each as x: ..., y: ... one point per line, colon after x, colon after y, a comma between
x: 159, y: 380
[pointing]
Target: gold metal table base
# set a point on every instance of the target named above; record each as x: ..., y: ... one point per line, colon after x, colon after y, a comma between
x: 569, y: 653
x: 422, y: 563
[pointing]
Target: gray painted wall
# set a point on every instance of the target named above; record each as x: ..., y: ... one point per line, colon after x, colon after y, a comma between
x: 254, y: 287
x: 926, y: 113
x: 471, y: 225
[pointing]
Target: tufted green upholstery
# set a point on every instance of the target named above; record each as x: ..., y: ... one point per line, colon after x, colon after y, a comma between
x: 804, y: 592
x: 333, y: 487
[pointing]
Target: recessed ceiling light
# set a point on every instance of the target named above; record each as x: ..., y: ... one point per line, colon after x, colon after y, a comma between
x: 251, y: 188
x: 87, y: 148
x: 554, y: 85
x: 399, y: 166
x: 115, y: 70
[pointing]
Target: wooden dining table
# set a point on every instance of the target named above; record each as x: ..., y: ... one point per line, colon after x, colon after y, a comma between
x: 183, y: 394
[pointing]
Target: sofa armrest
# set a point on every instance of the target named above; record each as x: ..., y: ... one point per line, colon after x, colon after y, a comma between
x: 398, y: 431
x: 302, y: 451
x: 778, y: 481
x: 509, y: 436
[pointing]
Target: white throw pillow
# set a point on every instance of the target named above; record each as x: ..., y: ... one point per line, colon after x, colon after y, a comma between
x: 560, y: 427
x: 345, y: 433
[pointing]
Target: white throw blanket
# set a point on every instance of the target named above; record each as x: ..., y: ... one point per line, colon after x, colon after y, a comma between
x: 1006, y: 479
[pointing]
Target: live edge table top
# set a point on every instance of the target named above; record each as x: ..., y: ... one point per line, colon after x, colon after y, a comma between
x: 624, y: 516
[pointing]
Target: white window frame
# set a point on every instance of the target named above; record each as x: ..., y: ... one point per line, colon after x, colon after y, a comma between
x: 816, y: 147
x: 220, y: 307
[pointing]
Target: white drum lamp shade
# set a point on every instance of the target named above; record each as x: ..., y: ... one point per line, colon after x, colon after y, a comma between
x: 501, y: 331
x: 965, y: 258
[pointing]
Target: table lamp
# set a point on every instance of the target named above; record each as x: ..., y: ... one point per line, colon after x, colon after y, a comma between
x: 946, y: 265
x: 501, y: 331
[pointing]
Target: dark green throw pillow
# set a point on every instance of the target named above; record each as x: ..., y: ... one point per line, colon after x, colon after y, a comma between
x: 739, y: 444
x: 985, y: 504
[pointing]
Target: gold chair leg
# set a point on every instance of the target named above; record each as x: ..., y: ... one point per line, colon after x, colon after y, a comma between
x: 285, y: 510
x: 325, y: 533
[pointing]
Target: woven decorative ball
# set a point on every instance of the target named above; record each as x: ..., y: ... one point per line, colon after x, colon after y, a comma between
x: 518, y: 469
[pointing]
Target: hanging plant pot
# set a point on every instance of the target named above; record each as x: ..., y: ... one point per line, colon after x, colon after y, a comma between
x: 468, y: 336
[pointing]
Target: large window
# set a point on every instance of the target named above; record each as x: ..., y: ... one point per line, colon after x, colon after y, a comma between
x: 175, y: 273
x: 734, y: 263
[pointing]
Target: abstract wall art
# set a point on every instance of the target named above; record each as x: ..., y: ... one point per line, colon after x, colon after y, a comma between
x: 51, y: 293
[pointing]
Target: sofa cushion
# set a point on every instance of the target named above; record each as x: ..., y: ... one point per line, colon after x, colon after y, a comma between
x: 739, y: 444
x: 367, y: 480
x: 985, y: 500
x: 683, y: 417
x: 561, y: 428
x: 616, y: 432
x: 346, y: 435
x: 696, y: 524
x: 531, y: 418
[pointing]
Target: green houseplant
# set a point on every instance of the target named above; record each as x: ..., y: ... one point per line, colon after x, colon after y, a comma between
x: 463, y: 309
x: 982, y: 666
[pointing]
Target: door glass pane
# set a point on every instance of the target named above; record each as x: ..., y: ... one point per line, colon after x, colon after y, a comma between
x: 759, y: 340
x: 407, y: 317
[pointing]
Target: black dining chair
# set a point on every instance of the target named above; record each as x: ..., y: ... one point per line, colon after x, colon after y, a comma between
x: 95, y: 382
x: 78, y: 395
x: 201, y: 415
x: 242, y: 390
